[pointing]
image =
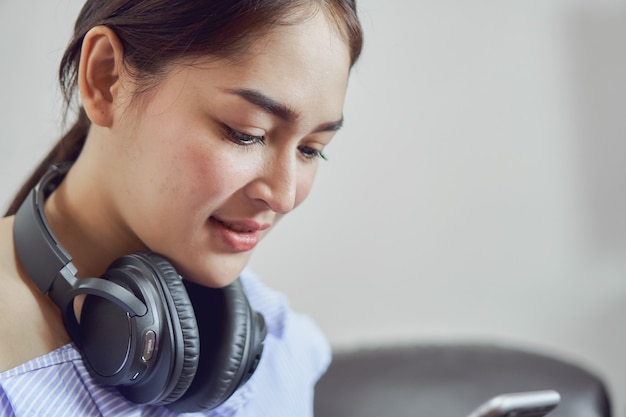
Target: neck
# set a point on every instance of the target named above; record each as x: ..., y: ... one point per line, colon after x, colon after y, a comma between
x: 84, y: 222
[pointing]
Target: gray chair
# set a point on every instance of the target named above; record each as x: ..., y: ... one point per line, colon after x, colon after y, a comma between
x: 450, y: 381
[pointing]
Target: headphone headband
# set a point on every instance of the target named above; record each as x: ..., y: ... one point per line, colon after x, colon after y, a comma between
x: 36, y: 240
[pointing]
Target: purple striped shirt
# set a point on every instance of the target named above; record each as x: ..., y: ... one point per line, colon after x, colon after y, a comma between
x: 296, y: 354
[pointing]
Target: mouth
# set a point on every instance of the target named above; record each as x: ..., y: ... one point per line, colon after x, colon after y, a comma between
x: 240, y: 235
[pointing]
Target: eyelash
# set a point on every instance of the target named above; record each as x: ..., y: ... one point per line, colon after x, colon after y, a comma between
x: 244, y: 139
x: 310, y: 153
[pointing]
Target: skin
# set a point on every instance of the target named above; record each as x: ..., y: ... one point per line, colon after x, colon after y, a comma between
x: 180, y: 169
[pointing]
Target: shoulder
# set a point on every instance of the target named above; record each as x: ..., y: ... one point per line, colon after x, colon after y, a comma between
x: 44, y: 384
x: 282, y: 322
x: 7, y: 259
x: 59, y: 383
x: 20, y: 298
x: 296, y: 354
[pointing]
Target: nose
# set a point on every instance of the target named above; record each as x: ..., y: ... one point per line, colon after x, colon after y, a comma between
x: 276, y: 186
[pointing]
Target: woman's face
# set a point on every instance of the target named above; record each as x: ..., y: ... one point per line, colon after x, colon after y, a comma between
x: 219, y: 151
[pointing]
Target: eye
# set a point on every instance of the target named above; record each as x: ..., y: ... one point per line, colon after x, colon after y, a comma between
x: 310, y: 153
x: 242, y: 139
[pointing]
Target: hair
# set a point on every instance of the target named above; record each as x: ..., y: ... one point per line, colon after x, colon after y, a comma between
x: 158, y: 33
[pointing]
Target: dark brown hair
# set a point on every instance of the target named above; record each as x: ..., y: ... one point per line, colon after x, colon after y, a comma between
x: 157, y: 33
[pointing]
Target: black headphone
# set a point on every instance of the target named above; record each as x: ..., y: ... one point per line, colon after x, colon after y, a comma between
x: 160, y: 339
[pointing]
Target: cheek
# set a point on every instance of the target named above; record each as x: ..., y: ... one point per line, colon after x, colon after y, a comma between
x: 201, y: 173
x: 211, y: 172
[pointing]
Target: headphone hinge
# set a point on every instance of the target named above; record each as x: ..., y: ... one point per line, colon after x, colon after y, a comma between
x: 62, y: 285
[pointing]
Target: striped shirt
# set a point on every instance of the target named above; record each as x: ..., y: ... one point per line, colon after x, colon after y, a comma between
x: 296, y: 354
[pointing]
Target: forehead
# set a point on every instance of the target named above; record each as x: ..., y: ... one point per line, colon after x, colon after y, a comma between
x: 304, y: 66
x: 298, y: 64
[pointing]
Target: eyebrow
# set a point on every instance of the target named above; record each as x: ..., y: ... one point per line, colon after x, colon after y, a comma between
x: 283, y: 111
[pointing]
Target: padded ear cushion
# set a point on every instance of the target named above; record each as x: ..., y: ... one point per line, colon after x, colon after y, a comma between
x: 184, y: 312
x: 225, y: 325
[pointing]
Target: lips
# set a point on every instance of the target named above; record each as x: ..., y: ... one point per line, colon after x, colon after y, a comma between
x: 241, y: 228
x: 238, y: 235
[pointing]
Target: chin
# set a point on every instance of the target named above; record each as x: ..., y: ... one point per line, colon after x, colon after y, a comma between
x: 214, y: 276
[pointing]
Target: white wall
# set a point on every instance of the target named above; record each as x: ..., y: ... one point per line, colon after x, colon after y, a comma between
x: 476, y: 192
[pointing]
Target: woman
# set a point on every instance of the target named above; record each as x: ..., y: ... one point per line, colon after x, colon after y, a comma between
x: 201, y: 123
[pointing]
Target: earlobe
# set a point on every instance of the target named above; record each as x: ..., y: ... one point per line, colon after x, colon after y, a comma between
x: 98, y: 74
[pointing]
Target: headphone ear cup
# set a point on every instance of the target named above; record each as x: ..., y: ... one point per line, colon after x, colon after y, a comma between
x: 229, y: 350
x: 114, y: 345
x: 183, y: 319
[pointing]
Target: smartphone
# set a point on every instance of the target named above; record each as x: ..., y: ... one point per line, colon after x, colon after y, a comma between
x: 519, y: 404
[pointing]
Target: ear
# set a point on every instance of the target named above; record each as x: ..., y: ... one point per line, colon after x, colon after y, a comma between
x: 99, y: 74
